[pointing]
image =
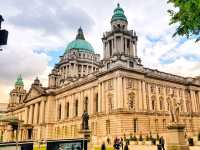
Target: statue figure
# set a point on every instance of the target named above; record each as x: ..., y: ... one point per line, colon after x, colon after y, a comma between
x: 85, y: 118
x: 175, y: 111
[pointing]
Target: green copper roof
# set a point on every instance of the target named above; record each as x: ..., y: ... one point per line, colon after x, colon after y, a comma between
x: 19, y: 80
x: 118, y: 14
x: 80, y: 43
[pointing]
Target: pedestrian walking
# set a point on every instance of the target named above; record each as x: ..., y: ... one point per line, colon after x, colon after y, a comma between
x: 103, y: 146
x: 162, y: 142
x: 126, y: 146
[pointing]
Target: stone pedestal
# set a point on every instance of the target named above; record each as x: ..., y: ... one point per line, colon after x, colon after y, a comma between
x: 176, y: 137
x: 86, y: 134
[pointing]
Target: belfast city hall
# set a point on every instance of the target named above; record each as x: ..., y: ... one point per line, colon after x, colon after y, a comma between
x: 120, y: 95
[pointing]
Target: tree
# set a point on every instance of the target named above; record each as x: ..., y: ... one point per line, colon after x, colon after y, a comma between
x: 187, y: 15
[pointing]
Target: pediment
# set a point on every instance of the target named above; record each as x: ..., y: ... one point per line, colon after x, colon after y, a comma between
x: 34, y: 92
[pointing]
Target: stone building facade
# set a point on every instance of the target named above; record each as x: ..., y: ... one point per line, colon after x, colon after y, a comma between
x: 119, y: 93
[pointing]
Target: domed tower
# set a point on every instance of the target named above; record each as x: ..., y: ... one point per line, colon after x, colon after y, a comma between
x: 120, y: 44
x: 78, y: 61
x: 18, y: 93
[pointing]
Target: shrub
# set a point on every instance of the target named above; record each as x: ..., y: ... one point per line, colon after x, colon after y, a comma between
x: 134, y: 138
x: 140, y: 138
x: 131, y: 136
x: 127, y: 141
x: 147, y: 137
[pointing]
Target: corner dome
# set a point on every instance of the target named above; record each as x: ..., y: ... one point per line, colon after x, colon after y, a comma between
x: 118, y: 14
x: 80, y: 43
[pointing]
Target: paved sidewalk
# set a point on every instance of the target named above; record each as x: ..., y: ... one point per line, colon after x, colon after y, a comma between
x: 150, y: 147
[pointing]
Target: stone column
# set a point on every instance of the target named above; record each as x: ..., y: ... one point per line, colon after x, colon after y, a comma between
x: 35, y: 114
x: 144, y: 96
x: 149, y: 95
x: 30, y: 119
x: 26, y: 115
x: 115, y: 104
x: 140, y: 100
x: 119, y: 92
x: 42, y: 112
x: 63, y: 109
x: 99, y: 97
x: 121, y: 45
x: 126, y: 50
x: 193, y: 100
x: 165, y: 98
x: 91, y: 101
x: 198, y: 101
x: 80, y: 104
x: 115, y: 50
x: 125, y: 93
x: 157, y: 107
x: 184, y: 102
x: 103, y: 97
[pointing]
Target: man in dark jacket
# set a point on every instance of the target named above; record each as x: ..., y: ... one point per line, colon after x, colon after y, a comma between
x: 103, y: 146
x: 162, y: 142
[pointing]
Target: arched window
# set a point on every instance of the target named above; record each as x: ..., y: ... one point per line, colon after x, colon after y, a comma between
x: 153, y: 102
x: 59, y: 111
x: 86, y: 104
x: 164, y: 123
x: 161, y: 103
x: 96, y: 103
x: 67, y: 109
x: 76, y: 108
x: 156, y: 125
x: 131, y: 101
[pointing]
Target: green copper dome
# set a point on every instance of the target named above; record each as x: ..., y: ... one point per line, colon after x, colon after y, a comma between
x: 118, y: 14
x: 19, y: 81
x: 80, y: 43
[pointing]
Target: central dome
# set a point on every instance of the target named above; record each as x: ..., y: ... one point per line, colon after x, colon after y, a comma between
x: 80, y: 43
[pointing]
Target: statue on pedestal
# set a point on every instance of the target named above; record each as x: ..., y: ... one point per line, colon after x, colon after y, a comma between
x: 85, y: 118
x: 175, y: 111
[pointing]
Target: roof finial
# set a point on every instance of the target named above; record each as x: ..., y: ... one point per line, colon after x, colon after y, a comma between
x: 80, y: 34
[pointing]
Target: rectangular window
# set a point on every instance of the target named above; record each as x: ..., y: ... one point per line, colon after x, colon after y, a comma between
x: 156, y: 124
x: 164, y: 123
x: 135, y: 125
x: 67, y: 109
x: 76, y: 108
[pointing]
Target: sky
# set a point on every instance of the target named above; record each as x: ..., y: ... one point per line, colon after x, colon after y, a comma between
x: 40, y: 30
